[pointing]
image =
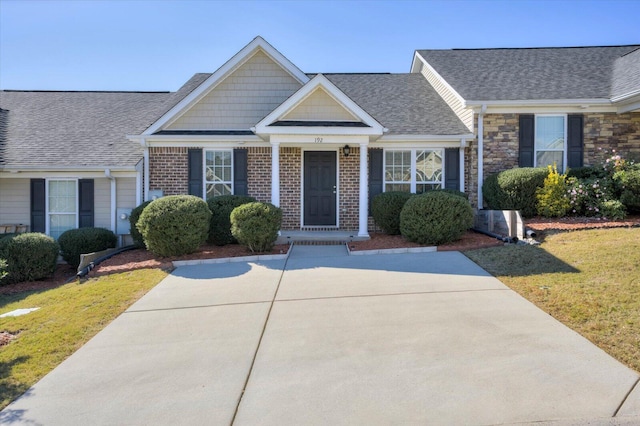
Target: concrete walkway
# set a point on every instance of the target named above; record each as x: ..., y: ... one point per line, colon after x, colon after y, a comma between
x: 328, y: 339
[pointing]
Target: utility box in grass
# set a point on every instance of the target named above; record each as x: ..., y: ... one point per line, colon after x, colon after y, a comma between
x: 502, y: 222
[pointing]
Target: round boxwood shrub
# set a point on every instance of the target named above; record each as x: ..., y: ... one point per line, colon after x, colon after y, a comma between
x: 514, y: 189
x: 138, y: 241
x: 175, y: 225
x: 435, y: 218
x: 587, y: 172
x: 629, y: 184
x: 31, y: 256
x: 255, y: 225
x: 454, y: 192
x: 386, y: 208
x: 221, y: 208
x: 75, y: 242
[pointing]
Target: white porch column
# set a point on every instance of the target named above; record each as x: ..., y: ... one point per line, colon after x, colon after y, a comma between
x: 463, y: 145
x: 364, y: 192
x: 275, y: 174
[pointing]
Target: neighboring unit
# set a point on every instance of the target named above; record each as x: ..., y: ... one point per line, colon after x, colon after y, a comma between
x: 320, y: 146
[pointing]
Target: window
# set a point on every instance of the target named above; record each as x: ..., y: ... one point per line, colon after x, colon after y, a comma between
x: 62, y: 206
x: 413, y: 170
x: 550, y: 137
x: 218, y: 173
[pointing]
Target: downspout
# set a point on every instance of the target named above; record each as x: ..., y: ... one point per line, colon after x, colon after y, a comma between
x: 481, y: 154
x: 107, y: 173
x: 145, y: 159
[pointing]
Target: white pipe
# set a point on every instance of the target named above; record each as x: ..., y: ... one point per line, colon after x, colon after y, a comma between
x: 145, y: 159
x: 107, y: 173
x: 481, y: 154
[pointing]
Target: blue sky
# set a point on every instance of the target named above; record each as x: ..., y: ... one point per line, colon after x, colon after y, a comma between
x: 158, y: 45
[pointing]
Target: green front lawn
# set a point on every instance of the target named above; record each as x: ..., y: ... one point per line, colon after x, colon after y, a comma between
x: 68, y: 317
x: 589, y: 280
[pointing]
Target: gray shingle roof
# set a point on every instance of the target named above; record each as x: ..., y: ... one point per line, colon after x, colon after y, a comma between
x: 404, y: 103
x: 626, y: 74
x: 530, y: 73
x: 79, y: 129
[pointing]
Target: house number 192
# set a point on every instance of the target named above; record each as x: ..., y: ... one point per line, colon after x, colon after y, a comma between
x: 318, y: 140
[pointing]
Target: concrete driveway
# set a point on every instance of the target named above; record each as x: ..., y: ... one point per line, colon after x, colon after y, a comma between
x: 328, y: 339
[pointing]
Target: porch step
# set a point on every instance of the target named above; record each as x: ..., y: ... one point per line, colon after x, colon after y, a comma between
x: 318, y: 237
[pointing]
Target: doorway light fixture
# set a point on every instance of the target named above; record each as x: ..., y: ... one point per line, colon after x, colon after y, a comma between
x: 346, y: 150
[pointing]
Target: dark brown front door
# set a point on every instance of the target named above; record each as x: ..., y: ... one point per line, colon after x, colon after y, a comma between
x: 320, y: 188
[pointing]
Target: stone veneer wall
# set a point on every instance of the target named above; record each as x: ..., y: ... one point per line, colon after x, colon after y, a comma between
x: 168, y: 170
x: 604, y: 133
x: 290, y: 173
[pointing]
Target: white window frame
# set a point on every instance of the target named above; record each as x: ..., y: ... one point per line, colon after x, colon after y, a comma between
x: 535, y: 144
x: 413, y: 171
x: 49, y: 213
x: 204, y: 172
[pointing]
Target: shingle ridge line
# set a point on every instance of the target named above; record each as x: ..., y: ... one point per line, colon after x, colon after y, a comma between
x: 84, y: 91
x: 537, y: 48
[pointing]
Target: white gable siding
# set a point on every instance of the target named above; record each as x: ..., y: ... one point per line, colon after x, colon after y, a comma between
x: 245, y: 97
x: 466, y: 115
x: 102, y: 203
x: 15, y: 205
x: 126, y: 196
x: 319, y: 106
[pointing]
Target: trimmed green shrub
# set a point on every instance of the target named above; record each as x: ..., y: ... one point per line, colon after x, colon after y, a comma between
x: 256, y: 225
x: 628, y: 182
x: 587, y: 172
x: 552, y: 197
x: 454, y: 192
x: 30, y: 256
x: 138, y: 241
x: 613, y: 209
x: 75, y: 242
x: 514, y: 189
x: 435, y: 218
x: 175, y: 225
x: 386, y: 208
x: 3, y: 269
x: 221, y: 208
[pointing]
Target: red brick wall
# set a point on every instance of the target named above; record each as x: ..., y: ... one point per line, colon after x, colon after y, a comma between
x: 168, y: 170
x: 290, y: 173
x: 259, y: 173
x: 349, y: 189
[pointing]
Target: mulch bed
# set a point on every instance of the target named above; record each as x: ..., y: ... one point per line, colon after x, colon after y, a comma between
x: 140, y: 258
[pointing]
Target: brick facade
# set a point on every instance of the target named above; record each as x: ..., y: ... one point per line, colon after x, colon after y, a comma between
x: 259, y: 173
x: 290, y: 187
x: 349, y: 185
x: 168, y: 170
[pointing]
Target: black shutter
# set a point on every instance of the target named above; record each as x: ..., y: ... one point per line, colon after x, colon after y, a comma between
x: 195, y: 172
x: 575, y: 136
x: 85, y: 200
x: 376, y: 173
x: 526, y: 140
x: 452, y: 168
x: 38, y: 205
x: 240, y: 181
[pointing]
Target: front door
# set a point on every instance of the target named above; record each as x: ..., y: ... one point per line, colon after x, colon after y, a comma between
x: 320, y: 188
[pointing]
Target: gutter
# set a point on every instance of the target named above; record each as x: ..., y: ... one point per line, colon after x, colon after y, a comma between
x: 481, y: 154
x: 145, y: 177
x: 108, y: 175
